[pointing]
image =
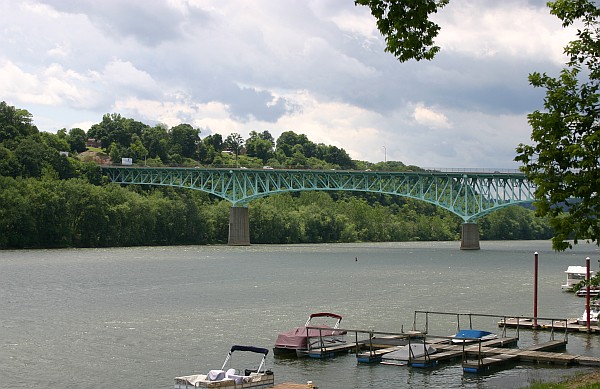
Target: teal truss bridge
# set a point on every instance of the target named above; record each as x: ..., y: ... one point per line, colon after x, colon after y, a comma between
x: 468, y: 194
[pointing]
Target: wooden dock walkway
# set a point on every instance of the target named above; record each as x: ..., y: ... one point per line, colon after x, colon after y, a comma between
x: 487, y: 357
x: 494, y: 353
x: 447, y: 352
x: 331, y: 351
x: 288, y: 385
x: 376, y: 345
x: 569, y: 325
x: 434, y: 359
x: 374, y: 356
x: 475, y: 357
x: 372, y: 341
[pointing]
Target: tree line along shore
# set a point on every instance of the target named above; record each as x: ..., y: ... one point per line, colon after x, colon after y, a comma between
x: 53, y: 194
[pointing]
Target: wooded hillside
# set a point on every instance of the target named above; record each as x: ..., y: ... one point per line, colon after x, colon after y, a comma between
x: 52, y: 193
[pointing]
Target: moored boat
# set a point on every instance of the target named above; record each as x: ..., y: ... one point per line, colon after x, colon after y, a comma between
x: 300, y: 340
x: 232, y: 378
x: 405, y: 354
x: 594, y: 312
x: 471, y: 336
x: 575, y: 274
x: 594, y: 291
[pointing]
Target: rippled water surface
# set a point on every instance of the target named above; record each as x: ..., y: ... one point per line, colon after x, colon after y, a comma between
x: 137, y: 317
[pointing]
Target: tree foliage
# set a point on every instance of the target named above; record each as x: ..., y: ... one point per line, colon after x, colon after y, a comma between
x: 116, y: 129
x: 184, y: 139
x: 260, y: 145
x: 405, y: 25
x: 49, y: 199
x: 564, y: 161
x: 234, y: 143
x: 75, y: 213
x: 77, y: 138
x: 514, y: 223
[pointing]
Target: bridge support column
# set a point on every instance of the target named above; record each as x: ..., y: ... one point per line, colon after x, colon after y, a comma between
x: 470, y: 236
x: 239, y: 227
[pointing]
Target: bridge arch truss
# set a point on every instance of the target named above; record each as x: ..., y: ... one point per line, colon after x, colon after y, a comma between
x: 470, y: 195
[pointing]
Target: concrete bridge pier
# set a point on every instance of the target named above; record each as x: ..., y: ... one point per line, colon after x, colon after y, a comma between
x: 470, y: 236
x: 239, y: 227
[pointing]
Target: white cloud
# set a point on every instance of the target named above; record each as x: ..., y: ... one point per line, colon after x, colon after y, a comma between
x: 125, y: 76
x: 513, y: 29
x: 59, y: 51
x: 430, y: 118
x: 85, y: 125
x: 180, y: 110
x: 19, y: 85
x: 40, y: 9
x: 315, y: 67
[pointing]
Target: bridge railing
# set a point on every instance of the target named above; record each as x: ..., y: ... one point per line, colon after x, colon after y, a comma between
x: 471, y: 170
x: 302, y: 168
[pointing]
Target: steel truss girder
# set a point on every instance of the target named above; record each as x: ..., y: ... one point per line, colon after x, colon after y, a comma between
x: 468, y: 195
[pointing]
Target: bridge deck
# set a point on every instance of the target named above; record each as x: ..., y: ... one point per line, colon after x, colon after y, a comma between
x: 468, y: 195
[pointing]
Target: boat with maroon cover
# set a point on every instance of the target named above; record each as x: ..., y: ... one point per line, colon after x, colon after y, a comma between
x: 302, y: 339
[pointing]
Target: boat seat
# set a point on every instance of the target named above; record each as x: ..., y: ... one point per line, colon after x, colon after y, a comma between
x: 215, y: 375
x: 238, y: 379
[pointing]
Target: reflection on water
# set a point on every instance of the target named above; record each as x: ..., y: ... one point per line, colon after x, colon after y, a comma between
x: 138, y: 317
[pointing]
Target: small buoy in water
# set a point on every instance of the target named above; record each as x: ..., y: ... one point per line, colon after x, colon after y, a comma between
x: 355, y: 259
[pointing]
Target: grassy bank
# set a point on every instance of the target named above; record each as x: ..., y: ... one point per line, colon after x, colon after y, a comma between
x: 580, y: 381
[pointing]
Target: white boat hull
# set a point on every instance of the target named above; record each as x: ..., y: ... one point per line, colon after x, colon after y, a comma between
x: 200, y: 381
x: 405, y: 354
x: 231, y: 378
x: 594, y: 313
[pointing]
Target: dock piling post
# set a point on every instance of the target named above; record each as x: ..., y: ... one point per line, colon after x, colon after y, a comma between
x: 535, y: 289
x: 587, y: 292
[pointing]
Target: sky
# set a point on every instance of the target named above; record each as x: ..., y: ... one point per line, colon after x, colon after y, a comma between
x: 315, y: 67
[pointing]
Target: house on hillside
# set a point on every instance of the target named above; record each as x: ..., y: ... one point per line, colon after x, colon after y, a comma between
x: 91, y: 142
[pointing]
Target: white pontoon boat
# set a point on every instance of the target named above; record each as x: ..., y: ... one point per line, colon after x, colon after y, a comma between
x: 231, y: 378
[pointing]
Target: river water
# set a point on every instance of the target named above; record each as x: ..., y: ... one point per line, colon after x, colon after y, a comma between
x: 137, y: 317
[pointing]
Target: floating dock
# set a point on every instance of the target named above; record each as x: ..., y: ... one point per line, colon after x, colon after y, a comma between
x: 489, y: 357
x: 380, y: 344
x: 570, y: 325
x: 371, y: 340
x: 476, y: 357
x: 447, y: 352
x: 330, y: 351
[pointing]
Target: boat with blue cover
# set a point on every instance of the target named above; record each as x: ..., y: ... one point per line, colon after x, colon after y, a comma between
x: 471, y: 336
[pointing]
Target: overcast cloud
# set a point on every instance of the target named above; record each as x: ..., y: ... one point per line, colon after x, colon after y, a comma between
x: 316, y: 67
